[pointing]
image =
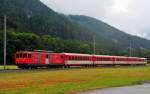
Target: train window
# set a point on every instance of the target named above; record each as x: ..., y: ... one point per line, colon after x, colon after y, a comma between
x: 20, y: 55
x: 106, y: 59
x: 46, y: 55
x: 61, y: 56
x: 76, y: 58
x: 29, y: 55
x: 98, y: 59
x: 120, y: 59
x: 69, y: 57
x: 103, y: 59
x: 84, y: 58
x: 130, y: 59
x: 17, y: 55
x: 24, y: 55
x: 79, y: 58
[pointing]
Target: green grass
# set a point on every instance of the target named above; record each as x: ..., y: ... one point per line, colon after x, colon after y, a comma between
x: 70, y: 81
x: 9, y: 67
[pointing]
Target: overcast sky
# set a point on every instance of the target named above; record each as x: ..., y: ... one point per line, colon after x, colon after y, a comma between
x: 131, y: 16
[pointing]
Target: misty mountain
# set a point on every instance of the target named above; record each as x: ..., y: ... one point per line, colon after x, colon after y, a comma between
x: 34, y: 16
x: 113, y: 34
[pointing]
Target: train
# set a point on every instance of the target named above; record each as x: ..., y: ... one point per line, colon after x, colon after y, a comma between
x: 39, y: 58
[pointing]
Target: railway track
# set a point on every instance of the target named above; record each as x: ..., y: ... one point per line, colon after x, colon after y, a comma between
x: 40, y: 69
x: 10, y: 70
x: 56, y: 69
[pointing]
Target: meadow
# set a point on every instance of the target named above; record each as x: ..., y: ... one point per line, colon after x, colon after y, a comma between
x: 8, y: 67
x: 68, y: 81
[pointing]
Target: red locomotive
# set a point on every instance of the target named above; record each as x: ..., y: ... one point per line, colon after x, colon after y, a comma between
x: 29, y: 59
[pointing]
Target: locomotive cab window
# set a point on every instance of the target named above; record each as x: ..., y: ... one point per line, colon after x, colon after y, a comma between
x: 24, y: 55
x: 17, y: 55
x: 20, y: 55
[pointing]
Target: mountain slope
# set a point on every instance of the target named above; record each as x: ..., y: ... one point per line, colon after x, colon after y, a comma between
x: 34, y: 16
x: 122, y: 39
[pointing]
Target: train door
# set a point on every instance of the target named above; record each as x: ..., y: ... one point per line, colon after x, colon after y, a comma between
x: 37, y: 58
x: 47, y: 59
x: 113, y: 60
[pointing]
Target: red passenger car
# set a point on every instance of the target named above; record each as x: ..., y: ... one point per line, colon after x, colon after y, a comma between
x: 72, y: 59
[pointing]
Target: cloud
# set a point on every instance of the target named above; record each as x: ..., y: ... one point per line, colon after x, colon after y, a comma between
x: 131, y: 16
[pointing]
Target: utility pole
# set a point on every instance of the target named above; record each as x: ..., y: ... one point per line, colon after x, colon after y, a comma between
x: 5, y: 21
x: 94, y: 45
x: 130, y: 49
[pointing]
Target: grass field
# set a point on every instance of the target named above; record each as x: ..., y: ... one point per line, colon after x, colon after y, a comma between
x: 70, y: 81
x: 8, y: 67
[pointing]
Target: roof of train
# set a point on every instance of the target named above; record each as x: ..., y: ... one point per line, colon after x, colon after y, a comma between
x: 78, y: 54
x: 101, y: 55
